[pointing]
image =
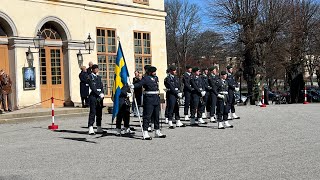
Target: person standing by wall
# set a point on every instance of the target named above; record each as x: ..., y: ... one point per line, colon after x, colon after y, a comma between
x: 137, y: 93
x: 84, y: 87
x: 6, y: 91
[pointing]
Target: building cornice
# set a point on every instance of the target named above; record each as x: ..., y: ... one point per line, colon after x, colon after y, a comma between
x: 109, y: 7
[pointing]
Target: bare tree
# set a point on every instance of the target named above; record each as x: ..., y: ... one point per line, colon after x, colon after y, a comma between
x: 182, y: 24
x: 256, y: 24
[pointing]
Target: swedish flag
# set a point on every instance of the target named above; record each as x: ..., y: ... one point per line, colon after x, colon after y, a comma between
x: 121, y: 75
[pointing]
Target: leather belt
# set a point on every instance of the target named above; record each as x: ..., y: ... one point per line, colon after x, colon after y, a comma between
x: 151, y: 92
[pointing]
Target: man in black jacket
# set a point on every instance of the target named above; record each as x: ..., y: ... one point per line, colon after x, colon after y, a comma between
x: 223, y: 99
x: 212, y: 103
x: 187, y: 91
x: 233, y: 86
x: 173, y: 94
x: 84, y: 87
x: 197, y: 94
x: 96, y: 100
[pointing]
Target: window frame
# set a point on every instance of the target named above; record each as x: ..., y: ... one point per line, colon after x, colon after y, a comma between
x: 108, y: 88
x: 142, y: 55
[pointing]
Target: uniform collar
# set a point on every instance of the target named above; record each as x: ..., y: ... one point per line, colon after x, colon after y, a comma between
x: 188, y: 73
x: 94, y: 74
x: 172, y: 76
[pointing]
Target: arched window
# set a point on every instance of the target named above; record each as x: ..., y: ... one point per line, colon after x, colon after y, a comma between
x: 2, y: 32
x: 49, y: 32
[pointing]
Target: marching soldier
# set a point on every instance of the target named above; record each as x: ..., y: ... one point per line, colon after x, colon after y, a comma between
x: 205, y: 80
x: 187, y: 91
x: 222, y: 103
x: 213, y: 93
x: 173, y: 94
x: 197, y: 95
x: 151, y: 102
x: 96, y: 100
x: 233, y: 86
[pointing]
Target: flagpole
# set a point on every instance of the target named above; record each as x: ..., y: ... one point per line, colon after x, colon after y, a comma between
x: 132, y: 92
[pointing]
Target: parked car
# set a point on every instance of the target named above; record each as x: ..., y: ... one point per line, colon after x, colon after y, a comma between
x: 313, y: 95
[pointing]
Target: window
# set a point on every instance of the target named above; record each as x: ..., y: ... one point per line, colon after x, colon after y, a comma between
x: 106, y: 52
x: 146, y: 2
x: 43, y: 69
x: 142, y: 50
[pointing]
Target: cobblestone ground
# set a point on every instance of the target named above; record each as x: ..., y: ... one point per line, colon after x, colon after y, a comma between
x: 277, y: 142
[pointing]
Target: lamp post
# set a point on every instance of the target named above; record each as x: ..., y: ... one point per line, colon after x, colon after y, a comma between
x: 30, y: 58
x: 38, y: 42
x: 80, y: 58
x: 89, y: 44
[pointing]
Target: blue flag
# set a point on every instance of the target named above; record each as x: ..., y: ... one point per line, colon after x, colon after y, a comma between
x: 121, y: 76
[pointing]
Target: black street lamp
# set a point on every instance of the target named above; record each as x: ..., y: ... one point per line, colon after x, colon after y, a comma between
x: 38, y: 42
x: 89, y: 44
x: 80, y: 58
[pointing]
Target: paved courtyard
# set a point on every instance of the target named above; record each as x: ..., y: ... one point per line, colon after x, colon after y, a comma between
x: 277, y: 142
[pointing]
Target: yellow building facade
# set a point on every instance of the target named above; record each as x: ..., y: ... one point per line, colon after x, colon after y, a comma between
x: 66, y: 24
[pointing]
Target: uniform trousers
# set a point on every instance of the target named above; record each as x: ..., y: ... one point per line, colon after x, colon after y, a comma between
x: 173, y: 107
x: 151, y: 111
x: 222, y: 110
x: 187, y: 99
x: 95, y: 113
x: 123, y: 114
x: 196, y: 105
x: 231, y: 102
x: 212, y: 104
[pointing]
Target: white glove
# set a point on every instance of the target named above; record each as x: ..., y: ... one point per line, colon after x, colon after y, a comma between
x: 131, y: 86
x: 101, y: 95
x: 236, y: 89
x: 180, y: 95
x: 224, y: 92
x: 203, y: 93
x: 129, y: 95
x: 221, y: 96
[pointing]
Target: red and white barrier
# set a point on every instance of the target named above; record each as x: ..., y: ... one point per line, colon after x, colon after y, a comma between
x: 305, y: 96
x: 52, y: 126
x: 262, y: 98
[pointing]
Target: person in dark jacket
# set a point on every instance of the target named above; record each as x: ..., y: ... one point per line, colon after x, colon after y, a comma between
x: 205, y: 80
x: 89, y: 70
x: 197, y: 94
x: 137, y: 93
x: 151, y: 102
x: 84, y: 87
x: 212, y: 104
x: 187, y: 91
x: 233, y: 87
x: 173, y: 94
x: 124, y: 110
x: 222, y: 101
x: 96, y: 100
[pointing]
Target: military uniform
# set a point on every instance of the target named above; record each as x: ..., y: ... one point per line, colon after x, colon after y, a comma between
x: 173, y: 94
x: 233, y: 86
x: 205, y: 80
x: 197, y: 94
x: 212, y: 103
x: 151, y: 102
x: 95, y: 100
x: 187, y: 93
x: 222, y: 102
